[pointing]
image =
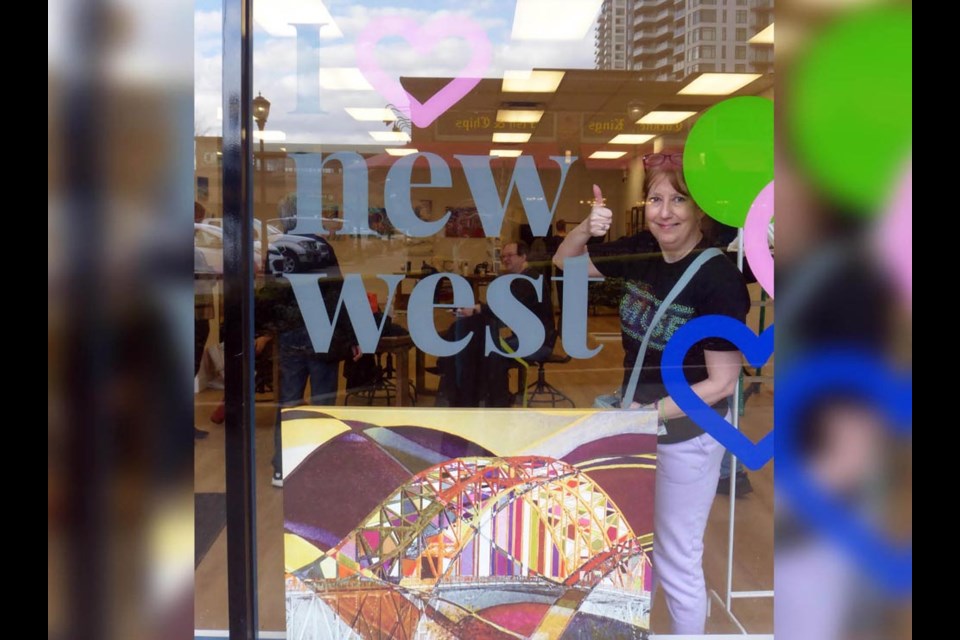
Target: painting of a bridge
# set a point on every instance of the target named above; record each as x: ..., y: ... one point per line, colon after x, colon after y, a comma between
x: 467, y: 524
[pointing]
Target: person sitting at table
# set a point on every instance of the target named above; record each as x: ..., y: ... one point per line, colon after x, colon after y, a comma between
x: 514, y: 257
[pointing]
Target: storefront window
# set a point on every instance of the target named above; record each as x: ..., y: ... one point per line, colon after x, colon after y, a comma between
x: 442, y: 445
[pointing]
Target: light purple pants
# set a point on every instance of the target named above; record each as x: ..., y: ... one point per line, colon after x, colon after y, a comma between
x: 802, y: 610
x: 687, y: 474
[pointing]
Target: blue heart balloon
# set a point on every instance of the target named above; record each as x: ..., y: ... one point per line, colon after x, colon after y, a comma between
x: 757, y: 350
x: 872, y: 379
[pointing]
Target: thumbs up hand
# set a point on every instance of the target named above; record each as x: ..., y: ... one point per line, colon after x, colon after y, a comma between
x: 600, y: 217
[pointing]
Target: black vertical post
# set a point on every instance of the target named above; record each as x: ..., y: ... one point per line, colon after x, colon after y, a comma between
x: 238, y: 317
x: 88, y: 355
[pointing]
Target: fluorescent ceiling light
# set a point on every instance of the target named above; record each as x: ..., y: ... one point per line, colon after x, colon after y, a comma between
x: 270, y: 135
x: 528, y: 81
x: 632, y: 138
x: 278, y: 16
x: 401, y: 152
x: 718, y: 84
x: 554, y: 19
x: 511, y: 137
x: 390, y: 136
x: 607, y: 155
x: 666, y: 117
x: 505, y: 153
x: 343, y: 79
x: 764, y: 37
x: 371, y: 114
x: 519, y: 115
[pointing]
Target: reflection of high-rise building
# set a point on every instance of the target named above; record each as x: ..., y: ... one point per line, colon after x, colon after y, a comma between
x: 611, y: 37
x: 672, y: 39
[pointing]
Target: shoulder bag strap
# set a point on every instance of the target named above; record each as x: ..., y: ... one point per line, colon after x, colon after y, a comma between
x: 687, y: 276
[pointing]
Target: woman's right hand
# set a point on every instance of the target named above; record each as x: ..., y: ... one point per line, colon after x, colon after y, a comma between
x: 597, y: 224
x: 600, y: 219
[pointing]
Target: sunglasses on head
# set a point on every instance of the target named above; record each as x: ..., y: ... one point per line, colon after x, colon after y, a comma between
x: 657, y: 159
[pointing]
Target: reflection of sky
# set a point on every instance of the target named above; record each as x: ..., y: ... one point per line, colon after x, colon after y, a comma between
x: 275, y: 60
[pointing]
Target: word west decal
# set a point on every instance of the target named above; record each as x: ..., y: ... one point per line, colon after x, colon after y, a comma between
x: 423, y: 332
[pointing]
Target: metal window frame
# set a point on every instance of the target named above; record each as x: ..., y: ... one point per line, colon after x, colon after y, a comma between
x: 238, y: 274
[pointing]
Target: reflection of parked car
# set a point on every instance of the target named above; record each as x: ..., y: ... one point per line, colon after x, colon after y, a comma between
x: 272, y: 229
x: 274, y: 260
x: 300, y: 253
x: 334, y: 226
x: 297, y: 253
x: 208, y: 241
x: 200, y: 264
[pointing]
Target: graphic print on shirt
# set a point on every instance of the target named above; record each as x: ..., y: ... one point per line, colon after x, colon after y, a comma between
x: 637, y: 308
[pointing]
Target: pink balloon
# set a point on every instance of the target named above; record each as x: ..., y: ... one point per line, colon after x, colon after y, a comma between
x: 423, y: 39
x: 755, y: 245
x: 895, y: 236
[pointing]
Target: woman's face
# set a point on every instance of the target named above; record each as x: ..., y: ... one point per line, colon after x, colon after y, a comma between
x: 673, y: 217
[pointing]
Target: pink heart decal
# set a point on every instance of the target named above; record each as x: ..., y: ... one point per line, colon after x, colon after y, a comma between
x: 423, y: 39
x: 755, y: 245
x: 895, y: 237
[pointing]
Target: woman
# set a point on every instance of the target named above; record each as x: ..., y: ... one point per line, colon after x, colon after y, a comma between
x: 688, y: 460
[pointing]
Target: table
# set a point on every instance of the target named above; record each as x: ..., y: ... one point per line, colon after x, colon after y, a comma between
x: 479, y: 280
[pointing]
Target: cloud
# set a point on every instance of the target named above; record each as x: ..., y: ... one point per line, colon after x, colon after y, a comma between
x: 207, y: 96
x: 207, y: 71
x: 533, y: 54
x: 207, y: 33
x: 206, y: 24
x: 276, y: 17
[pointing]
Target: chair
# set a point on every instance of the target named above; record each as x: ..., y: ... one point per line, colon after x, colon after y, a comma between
x: 379, y: 387
x: 379, y: 382
x: 384, y: 386
x: 541, y: 392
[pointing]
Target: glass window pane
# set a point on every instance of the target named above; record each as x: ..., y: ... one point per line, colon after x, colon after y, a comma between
x: 407, y: 161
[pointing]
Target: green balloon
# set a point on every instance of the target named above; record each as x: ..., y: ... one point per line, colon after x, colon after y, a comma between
x: 728, y: 158
x: 850, y: 115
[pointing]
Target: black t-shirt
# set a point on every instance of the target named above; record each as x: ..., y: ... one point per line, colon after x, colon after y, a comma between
x: 717, y: 288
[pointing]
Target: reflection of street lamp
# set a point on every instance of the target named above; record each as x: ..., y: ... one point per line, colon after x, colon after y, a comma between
x: 261, y: 111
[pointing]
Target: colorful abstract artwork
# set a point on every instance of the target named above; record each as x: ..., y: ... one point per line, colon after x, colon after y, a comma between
x: 479, y: 524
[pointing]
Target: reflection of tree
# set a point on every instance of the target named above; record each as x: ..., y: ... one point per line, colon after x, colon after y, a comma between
x: 402, y: 123
x: 202, y: 130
